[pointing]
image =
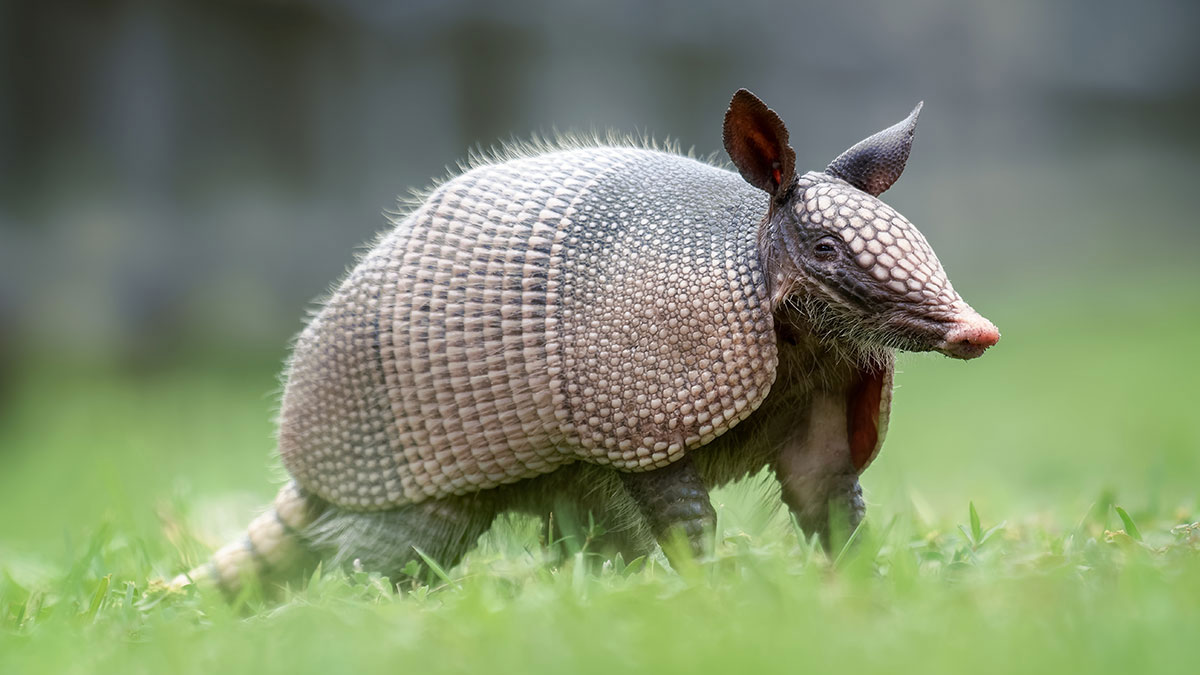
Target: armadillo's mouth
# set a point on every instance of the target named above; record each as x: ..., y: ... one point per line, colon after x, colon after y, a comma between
x: 960, y: 350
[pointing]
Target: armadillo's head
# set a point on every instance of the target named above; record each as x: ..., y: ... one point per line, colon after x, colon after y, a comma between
x: 855, y: 267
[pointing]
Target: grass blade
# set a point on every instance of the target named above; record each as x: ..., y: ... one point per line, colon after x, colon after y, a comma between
x: 846, y: 547
x: 436, y: 568
x: 98, y: 596
x: 1130, y: 528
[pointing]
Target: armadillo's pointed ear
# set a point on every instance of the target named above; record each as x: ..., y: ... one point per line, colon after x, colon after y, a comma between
x: 875, y: 162
x: 757, y: 142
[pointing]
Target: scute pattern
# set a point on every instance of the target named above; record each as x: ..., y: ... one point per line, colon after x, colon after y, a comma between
x: 883, y: 242
x: 336, y: 393
x: 532, y: 313
x: 673, y: 342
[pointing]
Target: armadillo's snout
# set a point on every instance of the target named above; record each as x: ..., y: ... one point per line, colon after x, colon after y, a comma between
x: 969, y: 336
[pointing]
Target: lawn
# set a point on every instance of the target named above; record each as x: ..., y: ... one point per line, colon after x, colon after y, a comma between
x: 1032, y: 511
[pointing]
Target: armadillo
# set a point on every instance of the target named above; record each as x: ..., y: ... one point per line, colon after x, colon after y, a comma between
x: 605, y: 329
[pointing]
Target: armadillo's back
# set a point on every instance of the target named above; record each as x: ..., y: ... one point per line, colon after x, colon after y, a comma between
x: 603, y: 304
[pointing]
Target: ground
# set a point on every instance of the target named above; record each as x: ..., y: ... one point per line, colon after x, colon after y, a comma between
x: 1034, y: 511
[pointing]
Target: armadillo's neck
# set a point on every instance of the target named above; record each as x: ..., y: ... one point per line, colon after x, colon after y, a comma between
x: 812, y: 347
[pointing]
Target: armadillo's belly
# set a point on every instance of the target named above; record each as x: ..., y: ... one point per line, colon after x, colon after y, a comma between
x: 530, y: 314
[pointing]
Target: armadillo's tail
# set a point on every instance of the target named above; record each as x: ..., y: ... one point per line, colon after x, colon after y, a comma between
x: 272, y: 548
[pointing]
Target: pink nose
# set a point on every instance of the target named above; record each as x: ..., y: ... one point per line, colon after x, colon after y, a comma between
x: 969, y: 337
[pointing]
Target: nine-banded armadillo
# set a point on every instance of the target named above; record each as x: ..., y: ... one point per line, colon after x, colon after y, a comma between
x: 606, y: 330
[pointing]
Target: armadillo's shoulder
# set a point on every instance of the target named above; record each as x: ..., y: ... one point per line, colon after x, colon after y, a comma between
x: 667, y: 337
x: 596, y: 303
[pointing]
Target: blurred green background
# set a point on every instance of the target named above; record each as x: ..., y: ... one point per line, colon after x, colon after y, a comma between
x: 178, y: 180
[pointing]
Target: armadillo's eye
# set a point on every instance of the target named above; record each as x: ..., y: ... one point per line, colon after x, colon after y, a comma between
x: 825, y: 249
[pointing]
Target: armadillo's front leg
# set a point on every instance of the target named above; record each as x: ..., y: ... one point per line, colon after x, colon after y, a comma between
x: 675, y: 502
x: 816, y: 471
x: 825, y: 504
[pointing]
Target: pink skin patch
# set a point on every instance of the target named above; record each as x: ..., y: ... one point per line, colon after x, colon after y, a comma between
x: 969, y: 336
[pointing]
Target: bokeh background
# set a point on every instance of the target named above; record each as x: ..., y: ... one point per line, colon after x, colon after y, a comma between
x: 179, y: 180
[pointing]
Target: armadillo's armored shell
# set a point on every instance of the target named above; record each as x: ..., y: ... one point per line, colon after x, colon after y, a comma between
x: 603, y: 304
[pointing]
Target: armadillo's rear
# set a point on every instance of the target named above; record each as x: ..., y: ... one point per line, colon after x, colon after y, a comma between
x: 599, y: 303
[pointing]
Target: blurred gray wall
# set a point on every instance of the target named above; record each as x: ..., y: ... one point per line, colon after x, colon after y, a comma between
x: 177, y: 175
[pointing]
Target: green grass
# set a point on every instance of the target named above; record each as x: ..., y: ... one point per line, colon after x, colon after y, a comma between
x: 1032, y: 511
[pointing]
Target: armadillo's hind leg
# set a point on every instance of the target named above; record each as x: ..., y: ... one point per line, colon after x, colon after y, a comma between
x: 387, y: 541
x: 675, y: 503
x: 272, y: 549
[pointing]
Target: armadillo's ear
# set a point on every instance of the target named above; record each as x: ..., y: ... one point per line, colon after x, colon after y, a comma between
x: 757, y: 142
x: 875, y: 162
